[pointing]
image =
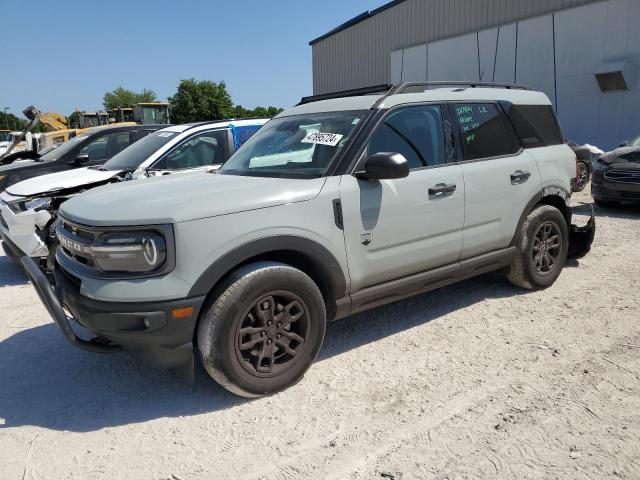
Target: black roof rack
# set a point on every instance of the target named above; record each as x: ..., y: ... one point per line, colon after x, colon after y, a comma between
x: 404, y: 87
x: 383, y: 88
x: 408, y: 87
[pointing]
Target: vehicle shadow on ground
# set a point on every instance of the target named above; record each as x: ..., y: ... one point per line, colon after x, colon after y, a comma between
x: 626, y: 211
x: 11, y: 274
x: 47, y: 383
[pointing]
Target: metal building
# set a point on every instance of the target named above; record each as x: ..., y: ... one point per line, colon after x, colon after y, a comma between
x: 585, y: 54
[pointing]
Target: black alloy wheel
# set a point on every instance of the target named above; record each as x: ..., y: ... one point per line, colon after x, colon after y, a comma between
x: 272, y: 333
x: 546, y: 248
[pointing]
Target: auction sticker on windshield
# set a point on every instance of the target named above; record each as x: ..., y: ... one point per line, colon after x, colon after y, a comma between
x: 330, y: 139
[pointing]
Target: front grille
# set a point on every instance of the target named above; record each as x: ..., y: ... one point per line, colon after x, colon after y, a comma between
x: 74, y: 242
x: 621, y: 175
x: 78, y: 230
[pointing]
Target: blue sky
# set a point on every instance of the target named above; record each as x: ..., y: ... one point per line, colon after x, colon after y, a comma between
x: 67, y: 54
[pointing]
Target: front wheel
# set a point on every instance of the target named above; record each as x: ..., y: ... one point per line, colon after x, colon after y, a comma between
x: 263, y: 330
x: 583, y: 177
x: 542, y: 244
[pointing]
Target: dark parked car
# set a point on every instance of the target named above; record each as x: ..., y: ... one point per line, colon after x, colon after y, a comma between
x: 616, y: 176
x: 585, y: 158
x: 90, y: 148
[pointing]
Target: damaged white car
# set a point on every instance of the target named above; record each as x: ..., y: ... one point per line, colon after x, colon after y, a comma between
x: 29, y: 208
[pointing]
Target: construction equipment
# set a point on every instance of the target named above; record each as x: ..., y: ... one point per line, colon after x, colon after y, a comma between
x: 145, y: 113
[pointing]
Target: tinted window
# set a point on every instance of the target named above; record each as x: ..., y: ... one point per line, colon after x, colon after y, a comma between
x: 208, y: 148
x: 415, y: 132
x: 483, y: 131
x: 106, y: 146
x: 536, y: 125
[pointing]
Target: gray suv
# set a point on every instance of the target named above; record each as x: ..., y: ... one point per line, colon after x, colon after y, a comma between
x: 340, y: 204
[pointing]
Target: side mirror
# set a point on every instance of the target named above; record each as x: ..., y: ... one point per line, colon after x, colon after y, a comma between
x: 384, y: 166
x: 80, y: 159
x: 624, y: 144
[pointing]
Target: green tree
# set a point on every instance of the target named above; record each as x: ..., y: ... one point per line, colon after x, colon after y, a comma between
x: 269, y: 112
x: 197, y: 101
x: 121, y: 97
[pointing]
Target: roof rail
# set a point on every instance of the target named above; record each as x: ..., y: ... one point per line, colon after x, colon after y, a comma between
x: 404, y: 87
x: 407, y: 87
x: 383, y: 88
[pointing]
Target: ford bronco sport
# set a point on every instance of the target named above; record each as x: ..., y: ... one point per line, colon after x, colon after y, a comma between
x: 340, y: 204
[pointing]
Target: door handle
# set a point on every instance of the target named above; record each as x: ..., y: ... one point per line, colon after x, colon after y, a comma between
x: 520, y: 176
x: 442, y: 189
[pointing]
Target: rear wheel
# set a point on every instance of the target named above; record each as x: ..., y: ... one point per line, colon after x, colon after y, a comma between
x: 263, y: 331
x: 606, y: 203
x: 542, y: 244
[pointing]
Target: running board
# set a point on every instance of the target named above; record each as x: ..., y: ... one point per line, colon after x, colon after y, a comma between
x: 405, y: 287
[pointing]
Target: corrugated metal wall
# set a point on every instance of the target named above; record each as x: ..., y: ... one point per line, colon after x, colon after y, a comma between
x: 359, y: 55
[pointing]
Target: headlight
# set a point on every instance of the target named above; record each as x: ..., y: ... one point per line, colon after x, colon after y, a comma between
x: 130, y: 252
x: 599, y: 166
x: 37, y: 203
x: 116, y: 252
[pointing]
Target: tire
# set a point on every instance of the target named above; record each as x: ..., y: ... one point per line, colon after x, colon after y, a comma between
x: 583, y: 177
x: 532, y: 270
x: 247, y: 301
x: 606, y: 203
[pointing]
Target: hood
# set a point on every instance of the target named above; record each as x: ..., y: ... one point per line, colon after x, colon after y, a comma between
x: 629, y: 155
x: 54, y: 182
x: 180, y: 198
x: 17, y: 164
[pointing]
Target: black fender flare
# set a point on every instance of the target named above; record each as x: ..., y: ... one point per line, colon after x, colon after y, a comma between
x: 321, y: 258
x: 545, y: 192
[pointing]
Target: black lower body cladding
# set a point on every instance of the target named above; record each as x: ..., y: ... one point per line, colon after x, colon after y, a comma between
x: 159, y: 334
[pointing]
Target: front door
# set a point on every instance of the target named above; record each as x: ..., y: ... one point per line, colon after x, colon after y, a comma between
x: 394, y: 228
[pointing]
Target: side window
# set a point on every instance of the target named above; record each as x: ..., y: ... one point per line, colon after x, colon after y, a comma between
x: 536, y: 125
x: 483, y: 130
x: 96, y: 149
x: 117, y: 142
x: 208, y: 148
x: 415, y: 132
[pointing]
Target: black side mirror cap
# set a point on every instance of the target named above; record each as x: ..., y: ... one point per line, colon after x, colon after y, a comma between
x: 624, y: 144
x: 384, y: 166
x: 80, y: 159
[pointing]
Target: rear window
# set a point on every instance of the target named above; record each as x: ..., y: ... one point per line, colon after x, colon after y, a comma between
x: 536, y: 125
x: 483, y: 131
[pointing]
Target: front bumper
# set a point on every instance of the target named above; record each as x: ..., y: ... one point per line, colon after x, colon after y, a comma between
x: 604, y: 189
x: 581, y: 238
x: 20, y: 229
x: 149, y: 331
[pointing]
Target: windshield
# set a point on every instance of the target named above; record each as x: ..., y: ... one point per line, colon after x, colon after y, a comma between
x: 131, y: 157
x: 298, y: 146
x: 62, y: 149
x: 636, y: 142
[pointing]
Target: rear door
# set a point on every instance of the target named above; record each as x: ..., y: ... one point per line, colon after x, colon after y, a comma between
x: 500, y: 178
x: 395, y: 228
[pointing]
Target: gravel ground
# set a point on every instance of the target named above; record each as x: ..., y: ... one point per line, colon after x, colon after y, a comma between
x: 476, y: 380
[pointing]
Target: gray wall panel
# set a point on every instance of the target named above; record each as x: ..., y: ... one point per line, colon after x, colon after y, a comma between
x: 360, y: 55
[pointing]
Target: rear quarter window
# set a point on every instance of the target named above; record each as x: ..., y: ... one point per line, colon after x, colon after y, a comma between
x: 535, y: 125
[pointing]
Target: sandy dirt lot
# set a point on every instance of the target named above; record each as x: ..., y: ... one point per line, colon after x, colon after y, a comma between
x: 476, y: 380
